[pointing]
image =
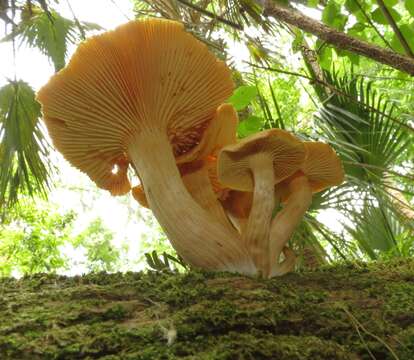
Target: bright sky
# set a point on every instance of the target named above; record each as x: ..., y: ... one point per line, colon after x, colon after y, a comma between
x: 122, y: 215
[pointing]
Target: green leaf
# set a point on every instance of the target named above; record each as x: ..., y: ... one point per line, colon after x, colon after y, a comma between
x: 50, y: 33
x: 250, y: 126
x: 242, y: 97
x: 333, y: 17
x: 375, y: 229
x: 329, y: 12
x: 32, y: 236
x: 357, y: 27
x: 408, y: 33
x: 409, y: 5
x: 357, y: 30
x: 351, y: 6
x: 372, y: 138
x: 325, y: 58
x: 379, y: 17
x: 390, y: 3
x: 313, y: 3
x: 282, y: 2
x: 23, y: 168
x: 297, y: 42
x: 354, y: 58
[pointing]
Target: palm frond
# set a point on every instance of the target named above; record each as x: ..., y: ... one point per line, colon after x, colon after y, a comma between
x: 49, y: 32
x: 363, y: 136
x: 376, y: 229
x: 307, y: 245
x: 337, y: 246
x: 371, y: 144
x: 24, y: 149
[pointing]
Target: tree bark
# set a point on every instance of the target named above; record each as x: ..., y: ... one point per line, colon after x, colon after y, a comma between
x: 346, y: 312
x: 338, y: 38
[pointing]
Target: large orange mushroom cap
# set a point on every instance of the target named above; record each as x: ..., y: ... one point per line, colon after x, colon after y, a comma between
x: 145, y: 76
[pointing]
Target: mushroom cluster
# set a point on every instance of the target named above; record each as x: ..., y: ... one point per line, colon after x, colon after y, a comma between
x: 149, y: 99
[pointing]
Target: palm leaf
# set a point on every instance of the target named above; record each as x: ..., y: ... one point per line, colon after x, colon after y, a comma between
x: 24, y: 149
x: 371, y: 144
x: 335, y: 245
x: 49, y: 32
x: 376, y: 230
x: 363, y: 136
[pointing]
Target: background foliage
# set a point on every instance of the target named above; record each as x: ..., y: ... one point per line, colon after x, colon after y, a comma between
x: 286, y: 78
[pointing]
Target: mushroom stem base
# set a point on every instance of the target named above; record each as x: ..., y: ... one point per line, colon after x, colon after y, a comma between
x: 287, y: 219
x: 256, y: 234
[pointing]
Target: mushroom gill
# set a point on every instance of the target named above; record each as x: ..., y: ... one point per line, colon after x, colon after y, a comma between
x: 146, y: 92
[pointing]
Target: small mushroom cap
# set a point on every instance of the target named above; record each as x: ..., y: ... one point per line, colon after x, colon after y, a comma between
x: 139, y: 195
x: 222, y: 131
x: 219, y: 189
x: 209, y: 163
x: 141, y: 79
x: 235, y: 161
x: 322, y: 167
x: 238, y: 203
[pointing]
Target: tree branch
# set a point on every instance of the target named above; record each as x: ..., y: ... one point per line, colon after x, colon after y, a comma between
x: 339, y: 39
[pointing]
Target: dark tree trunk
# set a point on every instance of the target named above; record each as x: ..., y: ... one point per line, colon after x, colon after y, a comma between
x: 338, y: 38
x: 353, y: 311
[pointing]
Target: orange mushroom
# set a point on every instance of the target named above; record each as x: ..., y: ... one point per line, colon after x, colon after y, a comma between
x: 256, y: 164
x: 144, y: 94
x: 238, y: 205
x: 200, y: 175
x: 321, y: 169
x: 138, y: 194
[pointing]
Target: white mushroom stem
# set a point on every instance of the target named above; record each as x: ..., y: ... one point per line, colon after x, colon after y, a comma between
x: 199, y: 186
x: 256, y: 232
x: 287, y: 219
x: 196, y: 235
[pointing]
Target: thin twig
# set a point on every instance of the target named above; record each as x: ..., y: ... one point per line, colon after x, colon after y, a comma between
x: 358, y: 325
x: 120, y: 10
x: 395, y: 28
x: 384, y: 77
x: 211, y: 15
x: 77, y: 22
x: 372, y: 24
x: 379, y: 168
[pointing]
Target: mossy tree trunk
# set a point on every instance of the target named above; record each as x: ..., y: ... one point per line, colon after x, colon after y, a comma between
x: 353, y: 311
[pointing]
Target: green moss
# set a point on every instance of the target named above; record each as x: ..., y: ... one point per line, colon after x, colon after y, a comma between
x: 348, y: 311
